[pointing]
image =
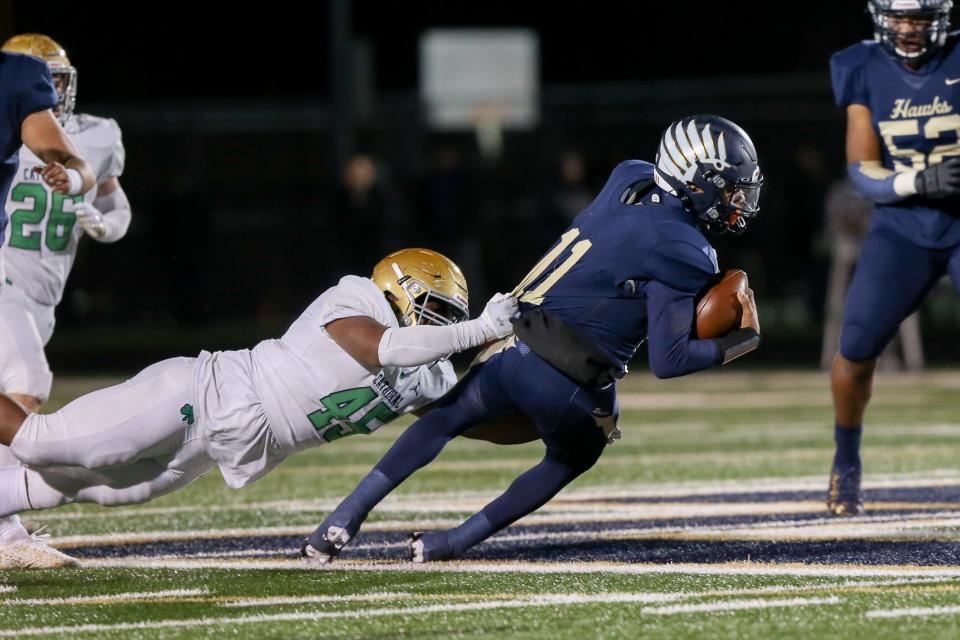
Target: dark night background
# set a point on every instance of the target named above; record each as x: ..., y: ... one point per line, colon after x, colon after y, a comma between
x: 239, y: 123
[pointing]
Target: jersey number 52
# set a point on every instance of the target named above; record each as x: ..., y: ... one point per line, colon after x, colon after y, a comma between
x: 935, y: 126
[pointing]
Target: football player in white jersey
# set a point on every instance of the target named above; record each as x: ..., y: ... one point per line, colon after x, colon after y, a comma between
x: 46, y: 227
x: 365, y: 352
x: 41, y: 243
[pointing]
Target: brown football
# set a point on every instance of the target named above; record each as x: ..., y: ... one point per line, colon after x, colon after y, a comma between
x: 718, y: 310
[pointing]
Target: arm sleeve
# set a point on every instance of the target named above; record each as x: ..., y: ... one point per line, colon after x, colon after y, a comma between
x: 880, y: 185
x: 672, y: 352
x: 422, y: 344
x: 116, y: 215
x: 118, y: 157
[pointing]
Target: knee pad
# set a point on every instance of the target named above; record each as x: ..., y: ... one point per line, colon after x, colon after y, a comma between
x: 580, y: 454
x: 857, y: 343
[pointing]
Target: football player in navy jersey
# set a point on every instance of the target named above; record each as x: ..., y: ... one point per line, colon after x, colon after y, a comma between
x: 901, y: 93
x: 27, y: 98
x: 627, y: 270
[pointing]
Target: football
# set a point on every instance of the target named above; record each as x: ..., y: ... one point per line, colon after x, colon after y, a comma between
x: 718, y: 309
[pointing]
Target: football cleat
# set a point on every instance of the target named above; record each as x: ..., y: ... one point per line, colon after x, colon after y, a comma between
x: 333, y: 541
x: 415, y: 547
x: 33, y: 552
x: 844, y: 496
x: 439, y: 547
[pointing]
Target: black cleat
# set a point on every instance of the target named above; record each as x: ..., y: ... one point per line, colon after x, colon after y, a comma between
x: 844, y: 496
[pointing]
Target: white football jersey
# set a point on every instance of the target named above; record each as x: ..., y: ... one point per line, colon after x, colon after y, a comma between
x: 256, y: 407
x: 42, y: 234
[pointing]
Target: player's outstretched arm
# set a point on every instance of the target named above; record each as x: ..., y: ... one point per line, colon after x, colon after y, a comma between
x: 66, y: 172
x: 374, y: 345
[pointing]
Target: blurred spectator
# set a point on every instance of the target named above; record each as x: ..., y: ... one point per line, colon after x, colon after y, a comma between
x: 448, y: 216
x: 364, y: 222
x: 447, y: 202
x: 566, y: 195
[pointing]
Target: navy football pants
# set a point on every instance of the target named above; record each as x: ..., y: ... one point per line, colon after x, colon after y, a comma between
x: 891, y: 279
x: 564, y: 413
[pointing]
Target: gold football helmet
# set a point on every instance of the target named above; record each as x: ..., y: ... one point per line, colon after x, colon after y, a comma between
x: 413, y: 278
x: 47, y: 49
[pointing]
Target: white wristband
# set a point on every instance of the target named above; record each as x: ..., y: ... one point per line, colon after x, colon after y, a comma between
x: 76, y: 182
x: 905, y: 184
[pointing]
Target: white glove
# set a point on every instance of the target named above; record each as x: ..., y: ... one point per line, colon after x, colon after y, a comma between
x: 90, y: 219
x: 496, y: 315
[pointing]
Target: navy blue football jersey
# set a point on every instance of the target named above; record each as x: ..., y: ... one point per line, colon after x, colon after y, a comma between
x: 915, y: 114
x: 25, y: 88
x: 594, y: 278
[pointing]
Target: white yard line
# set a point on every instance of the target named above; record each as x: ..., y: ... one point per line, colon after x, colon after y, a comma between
x: 687, y: 400
x: 7, y: 588
x: 916, y: 612
x: 918, y: 526
x: 172, y: 536
x: 594, y: 514
x: 536, y: 601
x: 738, y: 605
x: 420, y: 502
x: 282, y: 600
x: 834, y: 530
x: 108, y: 598
x: 750, y: 569
x: 653, y: 597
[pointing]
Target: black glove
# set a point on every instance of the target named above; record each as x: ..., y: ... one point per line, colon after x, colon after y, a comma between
x: 940, y: 181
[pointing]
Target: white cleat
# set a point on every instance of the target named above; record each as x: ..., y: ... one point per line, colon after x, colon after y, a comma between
x: 33, y: 552
x: 310, y: 557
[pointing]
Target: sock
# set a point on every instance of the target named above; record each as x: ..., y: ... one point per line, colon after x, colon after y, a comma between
x: 23, y: 489
x: 351, y: 513
x: 11, y: 529
x: 13, y: 491
x: 474, y: 530
x: 848, y: 445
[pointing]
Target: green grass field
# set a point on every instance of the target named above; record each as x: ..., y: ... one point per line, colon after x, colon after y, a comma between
x: 704, y: 521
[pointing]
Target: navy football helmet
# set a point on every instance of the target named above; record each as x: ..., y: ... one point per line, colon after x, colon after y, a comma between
x: 711, y: 165
x: 911, y: 30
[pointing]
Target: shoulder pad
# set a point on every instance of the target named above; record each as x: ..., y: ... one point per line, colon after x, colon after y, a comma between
x: 682, y: 264
x: 627, y: 173
x: 846, y: 74
x: 854, y: 55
